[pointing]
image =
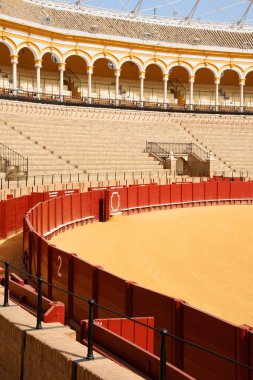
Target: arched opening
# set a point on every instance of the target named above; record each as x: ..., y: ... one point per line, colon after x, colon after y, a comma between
x: 178, y: 86
x: 248, y: 90
x: 75, y: 76
x: 50, y: 75
x: 204, y: 87
x: 229, y: 91
x: 26, y: 79
x: 129, y: 81
x: 5, y: 67
x: 153, y: 88
x: 103, y: 79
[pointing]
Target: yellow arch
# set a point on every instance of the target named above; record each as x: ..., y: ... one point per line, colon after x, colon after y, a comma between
x: 232, y: 67
x: 158, y: 62
x: 105, y: 55
x: 53, y: 50
x: 9, y: 44
x: 133, y: 58
x: 208, y: 66
x: 79, y: 53
x: 32, y: 47
x: 183, y: 64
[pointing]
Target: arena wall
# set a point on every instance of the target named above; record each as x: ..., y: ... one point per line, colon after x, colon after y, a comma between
x: 69, y: 272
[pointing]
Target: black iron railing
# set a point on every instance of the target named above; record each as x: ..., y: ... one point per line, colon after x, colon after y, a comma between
x: 10, y: 158
x: 91, y: 302
x: 163, y: 149
x: 82, y: 101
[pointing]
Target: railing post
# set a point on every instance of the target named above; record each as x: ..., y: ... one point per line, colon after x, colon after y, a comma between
x: 90, y: 330
x: 39, y: 306
x: 163, y: 333
x: 6, y: 284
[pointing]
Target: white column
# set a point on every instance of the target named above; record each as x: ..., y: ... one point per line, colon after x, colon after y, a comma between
x: 89, y: 73
x: 191, y: 81
x: 142, y: 77
x: 38, y: 68
x: 14, y: 61
x: 165, y: 93
x: 117, y: 76
x: 242, y: 83
x: 61, y: 69
x: 217, y: 83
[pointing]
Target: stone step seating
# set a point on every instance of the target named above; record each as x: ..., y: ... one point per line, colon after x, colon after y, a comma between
x: 100, y: 145
x: 234, y: 141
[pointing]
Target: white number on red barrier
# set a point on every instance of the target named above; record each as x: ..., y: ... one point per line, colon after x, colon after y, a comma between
x: 59, y: 268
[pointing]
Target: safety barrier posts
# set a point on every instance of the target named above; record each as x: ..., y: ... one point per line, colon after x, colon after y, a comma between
x: 210, y: 356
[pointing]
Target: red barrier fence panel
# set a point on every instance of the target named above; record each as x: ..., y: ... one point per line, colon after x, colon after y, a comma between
x: 21, y: 209
x: 149, y: 303
x: 251, y: 189
x: 66, y: 209
x: 58, y: 211
x: 26, y: 228
x: 38, y: 218
x: 141, y: 359
x: 176, y: 192
x: 34, y: 253
x: 215, y: 334
x: 132, y: 196
x: 44, y: 260
x: 154, y: 195
x: 131, y: 331
x: 223, y: 191
x: 87, y: 204
x: 165, y: 194
x: 76, y: 206
x: 117, y: 200
x: 10, y: 216
x: 35, y: 198
x: 3, y: 232
x: 187, y: 192
x: 198, y: 191
x: 44, y: 217
x: 95, y: 196
x: 211, y: 190
x: 60, y: 274
x: 82, y: 286
x: 52, y: 214
x: 143, y: 195
x: 112, y: 292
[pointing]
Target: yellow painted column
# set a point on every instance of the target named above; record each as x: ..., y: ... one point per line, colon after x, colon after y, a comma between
x: 38, y: 69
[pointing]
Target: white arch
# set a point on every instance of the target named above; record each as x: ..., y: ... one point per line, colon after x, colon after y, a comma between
x: 236, y: 69
x: 133, y: 60
x: 79, y: 54
x: 108, y: 57
x: 29, y: 47
x: 56, y: 53
x: 156, y: 63
x: 208, y: 67
x: 9, y: 46
x: 181, y: 64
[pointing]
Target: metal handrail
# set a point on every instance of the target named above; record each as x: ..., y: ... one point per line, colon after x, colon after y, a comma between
x: 92, y: 303
x: 164, y: 148
x: 13, y: 158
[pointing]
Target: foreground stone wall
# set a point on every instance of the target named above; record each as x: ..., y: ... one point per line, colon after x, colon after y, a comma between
x: 48, y: 354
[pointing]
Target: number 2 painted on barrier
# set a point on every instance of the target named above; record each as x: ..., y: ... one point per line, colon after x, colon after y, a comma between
x: 59, y: 267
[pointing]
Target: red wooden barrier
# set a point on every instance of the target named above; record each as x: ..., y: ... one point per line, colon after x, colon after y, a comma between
x: 140, y: 359
x: 127, y: 329
x: 165, y: 194
x: 111, y: 293
x: 143, y: 196
x: 187, y: 192
x: 198, y: 191
x: 176, y: 192
x: 211, y: 190
x: 214, y: 334
x: 83, y: 285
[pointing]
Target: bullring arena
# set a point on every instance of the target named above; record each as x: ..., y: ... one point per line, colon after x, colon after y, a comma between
x: 126, y: 185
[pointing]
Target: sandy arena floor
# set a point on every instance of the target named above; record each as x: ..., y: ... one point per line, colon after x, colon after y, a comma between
x: 202, y: 255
